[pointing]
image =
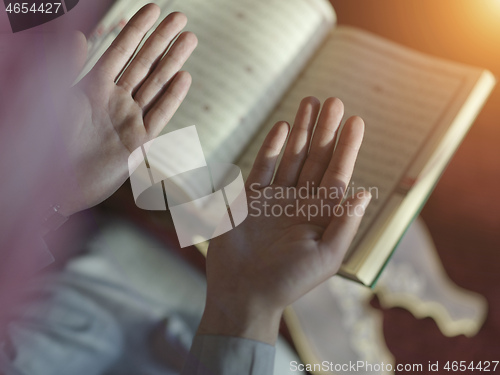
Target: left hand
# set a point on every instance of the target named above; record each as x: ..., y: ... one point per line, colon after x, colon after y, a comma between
x: 118, y: 107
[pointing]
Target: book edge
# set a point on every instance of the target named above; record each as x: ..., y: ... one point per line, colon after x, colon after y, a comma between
x: 362, y: 271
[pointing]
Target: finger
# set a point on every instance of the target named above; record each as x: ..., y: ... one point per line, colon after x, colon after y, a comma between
x: 116, y: 58
x: 339, y: 171
x: 342, y: 228
x: 322, y: 144
x: 79, y: 54
x: 167, y: 104
x: 152, y: 51
x: 166, y: 69
x: 298, y: 144
x: 265, y: 162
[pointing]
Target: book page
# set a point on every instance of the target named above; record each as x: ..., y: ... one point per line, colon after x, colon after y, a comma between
x: 249, y: 53
x: 406, y: 99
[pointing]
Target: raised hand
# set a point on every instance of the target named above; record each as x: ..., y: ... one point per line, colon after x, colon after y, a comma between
x: 297, y: 231
x: 123, y: 102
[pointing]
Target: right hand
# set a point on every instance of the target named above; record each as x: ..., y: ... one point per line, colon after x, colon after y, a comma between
x: 269, y: 261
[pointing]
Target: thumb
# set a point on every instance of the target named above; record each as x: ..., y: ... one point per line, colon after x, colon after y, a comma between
x: 65, y: 55
x: 78, y: 53
x: 343, y: 227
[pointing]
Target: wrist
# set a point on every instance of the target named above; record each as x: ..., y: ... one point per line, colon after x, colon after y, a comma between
x: 240, y: 319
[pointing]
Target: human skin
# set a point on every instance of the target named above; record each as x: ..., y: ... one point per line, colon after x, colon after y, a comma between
x: 118, y: 107
x: 267, y: 262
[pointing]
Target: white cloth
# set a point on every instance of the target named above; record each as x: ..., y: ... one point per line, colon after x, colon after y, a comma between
x: 95, y: 316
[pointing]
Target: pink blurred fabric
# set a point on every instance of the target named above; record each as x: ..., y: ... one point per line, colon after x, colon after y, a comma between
x: 33, y: 67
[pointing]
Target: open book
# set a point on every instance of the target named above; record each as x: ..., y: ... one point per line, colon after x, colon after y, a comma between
x: 257, y: 59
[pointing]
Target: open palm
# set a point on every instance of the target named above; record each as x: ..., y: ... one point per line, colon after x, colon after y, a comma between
x: 126, y: 100
x: 297, y: 231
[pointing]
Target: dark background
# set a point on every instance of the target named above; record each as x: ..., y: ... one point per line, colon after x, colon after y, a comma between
x: 463, y: 213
